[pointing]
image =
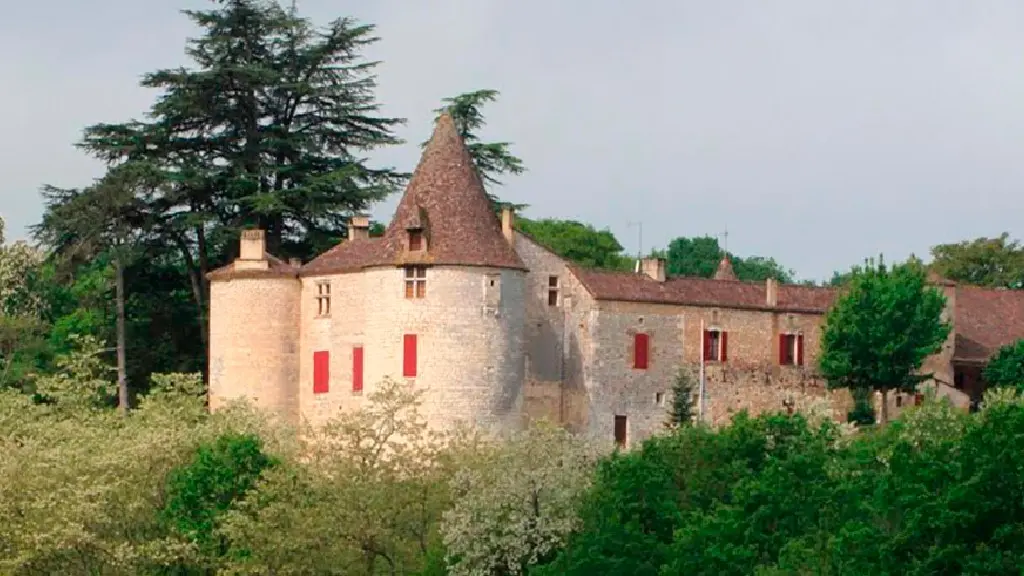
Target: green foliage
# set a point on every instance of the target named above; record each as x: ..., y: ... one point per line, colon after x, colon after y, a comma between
x: 1006, y: 368
x: 995, y: 262
x: 863, y: 413
x: 492, y: 159
x: 881, y: 329
x: 219, y: 475
x: 514, y: 503
x: 580, y: 243
x: 683, y: 400
x: 699, y: 256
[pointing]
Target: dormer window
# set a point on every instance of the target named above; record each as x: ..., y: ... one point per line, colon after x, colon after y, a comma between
x: 415, y: 281
x: 415, y: 240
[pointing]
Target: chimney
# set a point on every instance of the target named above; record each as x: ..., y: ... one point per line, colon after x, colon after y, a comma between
x: 252, y: 251
x: 508, y: 220
x: 359, y: 227
x: 654, y: 267
x: 771, y: 290
x: 295, y: 262
x: 253, y: 245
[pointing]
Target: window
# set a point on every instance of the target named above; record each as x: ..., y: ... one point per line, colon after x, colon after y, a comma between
x: 415, y: 281
x: 357, y: 369
x: 791, y: 349
x: 323, y: 299
x: 899, y: 400
x: 409, y: 356
x: 659, y: 398
x: 620, y: 431
x: 641, y: 348
x: 321, y: 372
x: 415, y: 240
x: 552, y: 290
x: 716, y: 345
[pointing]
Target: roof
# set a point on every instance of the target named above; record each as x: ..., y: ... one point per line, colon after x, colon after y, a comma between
x: 725, y: 271
x: 986, y: 320
x: 277, y: 269
x: 693, y: 291
x: 446, y: 197
x: 351, y: 255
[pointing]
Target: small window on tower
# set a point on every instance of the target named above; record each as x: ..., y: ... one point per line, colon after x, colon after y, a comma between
x: 415, y: 281
x: 415, y: 240
x: 552, y: 290
x: 323, y: 299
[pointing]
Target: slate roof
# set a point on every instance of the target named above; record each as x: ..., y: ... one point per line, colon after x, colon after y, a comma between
x: 349, y: 256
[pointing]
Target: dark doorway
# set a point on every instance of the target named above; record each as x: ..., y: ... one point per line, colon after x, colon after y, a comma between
x: 620, y: 431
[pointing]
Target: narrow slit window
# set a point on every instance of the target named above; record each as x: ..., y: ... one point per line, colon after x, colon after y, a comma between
x: 415, y: 240
x: 323, y: 299
x: 620, y: 431
x: 552, y: 290
x: 415, y: 281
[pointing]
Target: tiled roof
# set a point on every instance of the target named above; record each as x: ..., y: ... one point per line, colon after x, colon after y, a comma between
x: 986, y: 320
x: 349, y: 256
x: 447, y: 198
x: 632, y: 287
x: 277, y: 269
x: 725, y: 271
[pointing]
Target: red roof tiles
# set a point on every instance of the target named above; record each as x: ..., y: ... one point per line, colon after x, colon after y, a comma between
x: 985, y: 321
x: 692, y: 291
x: 349, y: 256
x: 446, y: 197
x: 277, y: 269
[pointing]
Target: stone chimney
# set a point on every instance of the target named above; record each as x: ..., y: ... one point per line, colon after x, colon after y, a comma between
x: 771, y: 290
x: 359, y: 227
x: 252, y: 251
x: 654, y: 267
x: 295, y: 262
x: 508, y: 222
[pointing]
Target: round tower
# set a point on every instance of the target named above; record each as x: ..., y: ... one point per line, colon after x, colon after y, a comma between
x: 254, y: 335
x: 446, y: 294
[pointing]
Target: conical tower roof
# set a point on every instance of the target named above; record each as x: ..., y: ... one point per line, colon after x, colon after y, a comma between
x: 725, y: 271
x: 445, y: 199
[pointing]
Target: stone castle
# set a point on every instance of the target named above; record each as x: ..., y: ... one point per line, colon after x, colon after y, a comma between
x: 497, y: 330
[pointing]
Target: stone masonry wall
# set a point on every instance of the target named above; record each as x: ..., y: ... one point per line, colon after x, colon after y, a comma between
x: 750, y: 379
x: 554, y: 389
x: 469, y: 339
x: 254, y: 336
x: 339, y: 333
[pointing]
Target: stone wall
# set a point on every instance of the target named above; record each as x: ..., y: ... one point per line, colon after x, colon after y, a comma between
x: 554, y: 350
x: 469, y: 343
x: 750, y: 379
x: 254, y: 337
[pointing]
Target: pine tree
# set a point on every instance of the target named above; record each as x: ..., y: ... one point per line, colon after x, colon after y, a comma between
x: 268, y: 128
x: 492, y: 159
x: 681, y: 412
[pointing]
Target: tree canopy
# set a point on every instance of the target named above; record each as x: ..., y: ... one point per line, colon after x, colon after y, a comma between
x: 994, y: 262
x: 578, y: 242
x: 1006, y: 368
x: 880, y: 330
x: 699, y: 256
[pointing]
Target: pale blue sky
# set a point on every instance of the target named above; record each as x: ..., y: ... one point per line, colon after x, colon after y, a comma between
x: 819, y: 132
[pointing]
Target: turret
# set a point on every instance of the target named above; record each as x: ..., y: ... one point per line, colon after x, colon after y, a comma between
x: 254, y: 330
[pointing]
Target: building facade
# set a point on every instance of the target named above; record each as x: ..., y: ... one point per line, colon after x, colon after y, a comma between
x: 496, y: 330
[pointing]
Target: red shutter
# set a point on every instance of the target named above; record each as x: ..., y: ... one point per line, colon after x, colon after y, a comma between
x: 800, y: 349
x: 782, y: 349
x: 640, y: 350
x: 707, y: 345
x: 357, y: 369
x: 321, y: 372
x: 409, y: 356
x: 724, y: 344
